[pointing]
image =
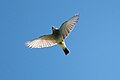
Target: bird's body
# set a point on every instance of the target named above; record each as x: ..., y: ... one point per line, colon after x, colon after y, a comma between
x: 57, y: 37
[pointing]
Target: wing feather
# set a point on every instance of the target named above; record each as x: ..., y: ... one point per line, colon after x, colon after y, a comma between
x: 41, y: 42
x: 68, y: 26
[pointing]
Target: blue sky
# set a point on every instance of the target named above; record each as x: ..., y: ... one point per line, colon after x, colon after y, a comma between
x: 94, y: 44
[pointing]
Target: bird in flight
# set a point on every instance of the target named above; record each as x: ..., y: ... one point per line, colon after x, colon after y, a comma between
x: 58, y: 36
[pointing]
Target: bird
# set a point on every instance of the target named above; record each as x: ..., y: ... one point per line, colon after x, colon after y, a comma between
x: 57, y: 37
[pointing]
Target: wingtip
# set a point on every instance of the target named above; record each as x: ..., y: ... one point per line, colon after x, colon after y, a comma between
x: 77, y: 14
x: 27, y: 44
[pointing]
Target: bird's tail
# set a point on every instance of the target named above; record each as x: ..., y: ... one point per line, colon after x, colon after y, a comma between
x: 66, y: 51
x: 63, y: 46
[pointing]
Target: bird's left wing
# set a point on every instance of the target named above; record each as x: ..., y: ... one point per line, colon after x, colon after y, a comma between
x: 68, y: 26
x: 41, y: 42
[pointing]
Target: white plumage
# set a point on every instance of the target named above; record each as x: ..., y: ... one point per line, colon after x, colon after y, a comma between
x: 41, y: 42
x: 57, y: 37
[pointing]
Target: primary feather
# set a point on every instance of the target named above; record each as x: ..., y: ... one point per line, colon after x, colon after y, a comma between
x: 41, y: 42
x: 68, y: 26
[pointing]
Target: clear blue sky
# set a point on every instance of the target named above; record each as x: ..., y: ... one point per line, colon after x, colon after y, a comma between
x: 94, y: 44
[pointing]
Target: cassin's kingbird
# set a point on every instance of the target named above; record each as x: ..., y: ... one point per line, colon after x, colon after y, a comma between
x: 57, y: 37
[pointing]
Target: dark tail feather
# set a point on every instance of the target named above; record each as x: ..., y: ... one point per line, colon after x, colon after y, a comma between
x: 66, y: 51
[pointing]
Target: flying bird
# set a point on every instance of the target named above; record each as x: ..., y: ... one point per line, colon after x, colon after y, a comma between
x: 58, y: 36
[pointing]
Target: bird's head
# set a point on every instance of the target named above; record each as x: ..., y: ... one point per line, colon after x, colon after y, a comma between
x: 54, y: 28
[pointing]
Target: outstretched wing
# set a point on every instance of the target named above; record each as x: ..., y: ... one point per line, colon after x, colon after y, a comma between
x: 68, y: 26
x: 41, y: 42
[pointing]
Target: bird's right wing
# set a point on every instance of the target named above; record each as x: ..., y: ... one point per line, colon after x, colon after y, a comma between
x: 41, y: 42
x: 68, y: 26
